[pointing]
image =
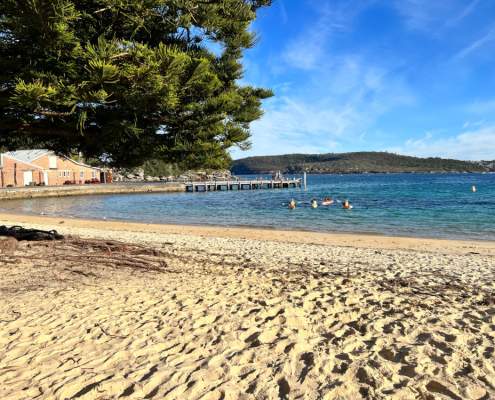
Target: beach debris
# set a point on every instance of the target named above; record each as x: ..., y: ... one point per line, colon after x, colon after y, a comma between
x: 15, y: 317
x: 86, y: 261
x: 20, y: 233
x: 109, y: 334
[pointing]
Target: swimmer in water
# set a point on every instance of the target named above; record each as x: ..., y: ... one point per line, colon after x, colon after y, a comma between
x: 346, y: 205
x: 314, y: 203
x: 292, y: 204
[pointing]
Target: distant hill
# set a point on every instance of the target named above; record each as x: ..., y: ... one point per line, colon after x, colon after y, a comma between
x: 359, y: 162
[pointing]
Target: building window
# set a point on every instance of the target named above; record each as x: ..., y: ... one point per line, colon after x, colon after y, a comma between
x: 52, y: 162
x: 81, y: 174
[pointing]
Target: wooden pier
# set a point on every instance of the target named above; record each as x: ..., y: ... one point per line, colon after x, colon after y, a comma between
x: 209, y: 186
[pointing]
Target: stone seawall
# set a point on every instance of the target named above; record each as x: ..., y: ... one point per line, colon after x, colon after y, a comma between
x: 81, y: 190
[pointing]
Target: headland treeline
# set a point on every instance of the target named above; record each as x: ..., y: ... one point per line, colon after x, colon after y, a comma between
x: 356, y: 162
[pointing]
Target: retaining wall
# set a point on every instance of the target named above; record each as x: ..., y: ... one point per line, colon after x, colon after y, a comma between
x: 80, y: 190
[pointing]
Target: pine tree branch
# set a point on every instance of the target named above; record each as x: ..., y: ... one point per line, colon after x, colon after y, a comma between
x: 7, y: 128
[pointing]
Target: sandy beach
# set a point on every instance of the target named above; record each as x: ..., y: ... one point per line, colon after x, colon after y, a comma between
x: 141, y: 311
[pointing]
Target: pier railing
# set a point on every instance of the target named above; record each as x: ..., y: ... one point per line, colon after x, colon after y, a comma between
x: 209, y: 186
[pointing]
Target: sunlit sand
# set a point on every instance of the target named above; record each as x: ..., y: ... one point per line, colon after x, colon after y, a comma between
x: 212, y: 313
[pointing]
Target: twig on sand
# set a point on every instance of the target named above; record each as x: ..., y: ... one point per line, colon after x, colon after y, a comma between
x: 75, y: 271
x: 109, y: 334
x: 17, y: 316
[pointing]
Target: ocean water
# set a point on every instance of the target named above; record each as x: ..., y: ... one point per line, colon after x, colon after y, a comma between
x: 424, y: 205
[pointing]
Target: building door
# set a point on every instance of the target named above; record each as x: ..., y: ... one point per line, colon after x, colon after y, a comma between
x: 45, y: 177
x: 28, y: 177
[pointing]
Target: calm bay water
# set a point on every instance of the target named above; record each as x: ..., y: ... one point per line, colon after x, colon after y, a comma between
x: 428, y: 205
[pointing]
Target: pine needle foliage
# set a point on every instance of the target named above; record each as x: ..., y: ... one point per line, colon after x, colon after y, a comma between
x: 128, y: 80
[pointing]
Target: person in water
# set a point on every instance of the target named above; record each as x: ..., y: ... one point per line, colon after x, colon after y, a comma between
x: 314, y: 203
x: 327, y: 201
x: 292, y: 204
x: 346, y: 205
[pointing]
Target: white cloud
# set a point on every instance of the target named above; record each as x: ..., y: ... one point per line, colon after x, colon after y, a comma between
x: 335, y: 110
x: 305, y: 54
x: 439, y: 19
x: 476, y: 44
x: 310, y: 49
x: 422, y: 14
x: 432, y: 16
x: 474, y: 124
x: 469, y: 145
x: 294, y: 126
x: 481, y: 107
x: 470, y: 7
x: 306, y: 51
x: 339, y: 96
x: 283, y: 11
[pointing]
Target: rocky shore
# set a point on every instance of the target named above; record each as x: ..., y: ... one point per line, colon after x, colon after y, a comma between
x: 138, y: 175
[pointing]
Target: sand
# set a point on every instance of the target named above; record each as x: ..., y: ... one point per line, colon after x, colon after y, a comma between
x: 244, y: 314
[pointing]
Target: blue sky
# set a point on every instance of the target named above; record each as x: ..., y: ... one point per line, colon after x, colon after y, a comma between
x: 414, y: 77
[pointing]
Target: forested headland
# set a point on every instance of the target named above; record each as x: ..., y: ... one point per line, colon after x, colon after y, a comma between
x: 357, y: 162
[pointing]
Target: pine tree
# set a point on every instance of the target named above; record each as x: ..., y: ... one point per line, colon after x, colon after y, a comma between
x: 128, y: 80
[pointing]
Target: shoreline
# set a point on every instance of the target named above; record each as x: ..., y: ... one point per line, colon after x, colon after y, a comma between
x: 378, y: 173
x: 85, y: 227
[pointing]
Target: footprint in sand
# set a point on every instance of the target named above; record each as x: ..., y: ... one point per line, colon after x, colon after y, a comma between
x: 206, y: 320
x: 268, y: 335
